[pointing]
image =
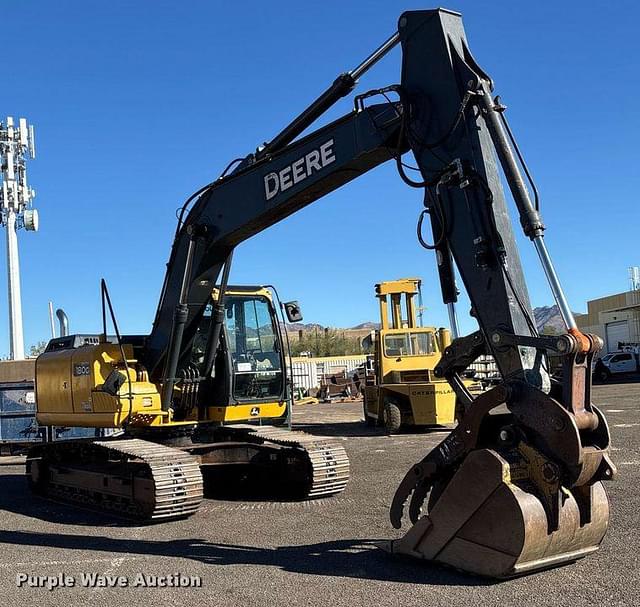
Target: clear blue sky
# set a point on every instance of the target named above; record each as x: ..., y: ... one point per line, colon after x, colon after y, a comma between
x: 137, y: 104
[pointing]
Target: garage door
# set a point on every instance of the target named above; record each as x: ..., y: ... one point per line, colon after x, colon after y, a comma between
x: 617, y: 332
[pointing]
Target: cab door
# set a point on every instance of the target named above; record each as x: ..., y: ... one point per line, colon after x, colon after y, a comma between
x: 254, y: 349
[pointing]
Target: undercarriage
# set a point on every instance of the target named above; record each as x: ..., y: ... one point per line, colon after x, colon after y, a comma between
x: 150, y: 481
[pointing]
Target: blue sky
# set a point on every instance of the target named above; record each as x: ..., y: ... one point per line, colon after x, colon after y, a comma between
x: 137, y: 104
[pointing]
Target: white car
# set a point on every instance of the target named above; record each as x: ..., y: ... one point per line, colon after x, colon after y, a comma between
x: 616, y: 363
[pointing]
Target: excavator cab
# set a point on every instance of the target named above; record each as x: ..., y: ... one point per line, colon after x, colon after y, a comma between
x: 248, y: 379
x: 247, y: 383
x: 254, y: 348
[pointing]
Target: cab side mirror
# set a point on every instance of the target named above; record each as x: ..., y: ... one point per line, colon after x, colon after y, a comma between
x: 293, y: 311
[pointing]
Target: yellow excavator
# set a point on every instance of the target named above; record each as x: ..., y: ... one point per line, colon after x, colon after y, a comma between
x: 517, y: 486
x: 402, y: 391
x: 154, y: 470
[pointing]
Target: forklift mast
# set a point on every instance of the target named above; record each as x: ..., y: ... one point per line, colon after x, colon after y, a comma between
x: 391, y: 291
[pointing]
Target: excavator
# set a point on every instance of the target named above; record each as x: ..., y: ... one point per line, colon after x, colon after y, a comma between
x: 163, y: 461
x: 516, y: 487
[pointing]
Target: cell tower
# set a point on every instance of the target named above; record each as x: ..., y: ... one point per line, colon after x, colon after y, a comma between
x: 16, y: 143
x: 634, y: 278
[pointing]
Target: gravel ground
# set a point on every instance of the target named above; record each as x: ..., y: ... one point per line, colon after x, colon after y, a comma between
x: 309, y: 553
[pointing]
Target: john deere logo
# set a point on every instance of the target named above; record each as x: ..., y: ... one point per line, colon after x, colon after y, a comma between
x: 255, y: 411
x: 299, y: 170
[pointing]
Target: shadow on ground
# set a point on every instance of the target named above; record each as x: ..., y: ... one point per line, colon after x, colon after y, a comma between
x: 351, y: 429
x: 339, y: 429
x: 621, y: 378
x: 16, y: 497
x: 343, y: 558
x: 358, y: 558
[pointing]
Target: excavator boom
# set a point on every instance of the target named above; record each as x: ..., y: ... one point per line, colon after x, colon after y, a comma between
x: 259, y: 193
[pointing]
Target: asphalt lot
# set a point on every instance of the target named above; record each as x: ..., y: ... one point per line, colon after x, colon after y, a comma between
x: 310, y: 553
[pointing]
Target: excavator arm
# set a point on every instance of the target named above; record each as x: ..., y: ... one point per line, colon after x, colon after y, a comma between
x: 470, y: 499
x: 516, y: 486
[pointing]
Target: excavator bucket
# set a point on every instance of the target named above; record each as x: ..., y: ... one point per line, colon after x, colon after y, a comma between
x: 489, y: 521
x: 516, y: 487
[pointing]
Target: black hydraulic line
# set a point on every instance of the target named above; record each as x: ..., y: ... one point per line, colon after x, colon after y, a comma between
x: 180, y: 213
x: 180, y: 316
x: 217, y: 318
x: 501, y: 111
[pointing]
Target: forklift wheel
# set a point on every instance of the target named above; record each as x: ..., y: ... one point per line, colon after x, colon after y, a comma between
x: 392, y: 417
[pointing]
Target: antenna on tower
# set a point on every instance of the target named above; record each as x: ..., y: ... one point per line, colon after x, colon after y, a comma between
x: 16, y: 211
x: 634, y: 278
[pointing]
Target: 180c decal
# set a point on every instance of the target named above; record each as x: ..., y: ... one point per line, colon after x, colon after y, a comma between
x: 80, y: 369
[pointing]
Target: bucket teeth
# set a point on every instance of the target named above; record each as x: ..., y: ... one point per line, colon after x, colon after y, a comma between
x: 417, y: 500
x: 419, y: 475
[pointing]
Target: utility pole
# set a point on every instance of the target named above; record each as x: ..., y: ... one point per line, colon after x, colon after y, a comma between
x: 16, y: 143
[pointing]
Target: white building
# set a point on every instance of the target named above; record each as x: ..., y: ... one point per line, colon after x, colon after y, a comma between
x: 615, y: 318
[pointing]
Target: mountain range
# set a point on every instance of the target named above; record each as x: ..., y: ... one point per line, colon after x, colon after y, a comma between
x: 545, y: 316
x: 549, y: 316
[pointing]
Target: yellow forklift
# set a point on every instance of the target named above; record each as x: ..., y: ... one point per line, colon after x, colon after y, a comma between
x: 401, y: 389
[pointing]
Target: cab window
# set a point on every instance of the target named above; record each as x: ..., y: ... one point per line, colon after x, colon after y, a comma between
x: 408, y: 344
x: 620, y: 357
